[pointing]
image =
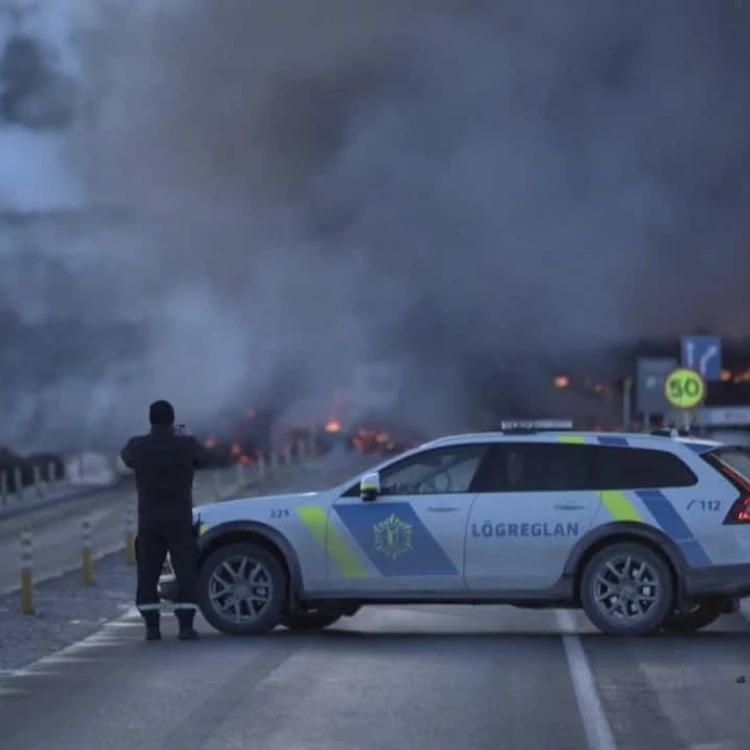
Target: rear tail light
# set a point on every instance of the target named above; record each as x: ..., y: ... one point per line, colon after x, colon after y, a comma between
x: 739, y: 513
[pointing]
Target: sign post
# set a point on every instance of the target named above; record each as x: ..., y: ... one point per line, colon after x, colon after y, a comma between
x: 651, y: 401
x: 685, y: 390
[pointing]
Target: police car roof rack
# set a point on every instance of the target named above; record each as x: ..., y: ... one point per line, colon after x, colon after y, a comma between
x: 535, y: 425
x: 671, y: 432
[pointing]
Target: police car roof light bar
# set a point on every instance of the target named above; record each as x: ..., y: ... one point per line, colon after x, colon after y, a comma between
x: 537, y: 424
x: 671, y: 432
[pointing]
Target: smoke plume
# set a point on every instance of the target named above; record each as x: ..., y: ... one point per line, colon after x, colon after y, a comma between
x: 310, y: 187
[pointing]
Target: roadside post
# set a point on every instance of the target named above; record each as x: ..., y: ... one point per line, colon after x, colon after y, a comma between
x: 261, y: 466
x: 18, y: 483
x: 27, y: 582
x: 88, y: 556
x: 37, y: 481
x: 130, y: 534
x: 627, y: 402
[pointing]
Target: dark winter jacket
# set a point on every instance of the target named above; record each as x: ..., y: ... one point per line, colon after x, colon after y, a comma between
x: 164, y: 464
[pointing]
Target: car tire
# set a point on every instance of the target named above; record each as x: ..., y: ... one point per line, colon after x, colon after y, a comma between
x: 645, y: 580
x: 703, y: 614
x: 263, y: 575
x: 309, y: 620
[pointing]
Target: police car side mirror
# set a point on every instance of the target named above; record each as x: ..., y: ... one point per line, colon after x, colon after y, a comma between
x: 369, y: 487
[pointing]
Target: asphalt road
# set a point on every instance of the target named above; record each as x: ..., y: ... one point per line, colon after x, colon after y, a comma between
x: 390, y: 678
x: 442, y: 678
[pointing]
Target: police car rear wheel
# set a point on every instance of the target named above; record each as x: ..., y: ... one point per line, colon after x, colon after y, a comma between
x: 627, y: 589
x: 309, y: 620
x: 242, y: 590
x: 701, y: 615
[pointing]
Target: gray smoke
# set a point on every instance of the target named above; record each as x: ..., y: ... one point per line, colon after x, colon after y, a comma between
x: 434, y: 185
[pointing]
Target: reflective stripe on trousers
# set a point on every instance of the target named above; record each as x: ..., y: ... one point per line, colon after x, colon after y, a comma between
x: 178, y: 607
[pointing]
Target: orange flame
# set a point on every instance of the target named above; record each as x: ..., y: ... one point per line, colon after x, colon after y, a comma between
x: 561, y: 381
x: 333, y: 426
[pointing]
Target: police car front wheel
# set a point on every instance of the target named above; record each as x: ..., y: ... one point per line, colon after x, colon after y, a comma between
x: 242, y: 589
x: 627, y: 589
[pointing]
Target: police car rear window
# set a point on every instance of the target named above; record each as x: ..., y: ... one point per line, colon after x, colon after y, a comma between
x: 639, y: 468
x: 552, y: 467
x: 737, y: 459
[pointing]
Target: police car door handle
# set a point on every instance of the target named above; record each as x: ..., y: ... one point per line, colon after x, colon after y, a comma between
x: 564, y: 506
x: 441, y: 508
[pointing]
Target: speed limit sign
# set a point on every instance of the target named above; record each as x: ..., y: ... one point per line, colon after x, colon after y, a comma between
x: 685, y: 388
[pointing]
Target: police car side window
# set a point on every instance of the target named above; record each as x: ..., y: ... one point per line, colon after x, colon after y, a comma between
x: 534, y: 467
x: 639, y: 468
x: 448, y: 470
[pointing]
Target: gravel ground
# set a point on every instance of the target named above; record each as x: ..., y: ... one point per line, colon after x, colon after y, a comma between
x: 66, y: 612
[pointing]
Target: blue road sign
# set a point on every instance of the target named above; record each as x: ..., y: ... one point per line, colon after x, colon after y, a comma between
x: 702, y: 353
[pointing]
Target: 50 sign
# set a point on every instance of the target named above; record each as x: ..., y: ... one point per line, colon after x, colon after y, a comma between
x: 685, y: 388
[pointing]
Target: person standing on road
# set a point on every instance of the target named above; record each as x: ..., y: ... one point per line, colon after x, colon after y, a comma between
x: 164, y: 463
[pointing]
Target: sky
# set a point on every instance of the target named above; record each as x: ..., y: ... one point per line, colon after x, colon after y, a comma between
x: 305, y: 188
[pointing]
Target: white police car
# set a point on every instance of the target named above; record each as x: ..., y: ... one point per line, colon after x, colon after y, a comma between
x: 641, y: 531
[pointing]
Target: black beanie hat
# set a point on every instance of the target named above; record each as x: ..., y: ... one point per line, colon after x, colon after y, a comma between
x: 161, y: 413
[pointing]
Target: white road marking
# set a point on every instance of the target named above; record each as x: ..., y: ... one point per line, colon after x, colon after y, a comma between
x: 103, y: 637
x: 595, y: 722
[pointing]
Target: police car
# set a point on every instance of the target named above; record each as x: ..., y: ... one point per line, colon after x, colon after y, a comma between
x: 641, y: 531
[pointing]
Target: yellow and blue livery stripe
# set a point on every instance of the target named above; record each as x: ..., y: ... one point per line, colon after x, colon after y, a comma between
x: 395, y: 539
x: 328, y: 537
x: 620, y: 506
x: 674, y: 526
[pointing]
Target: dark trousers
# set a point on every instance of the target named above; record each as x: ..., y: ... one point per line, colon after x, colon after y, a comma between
x: 153, y: 543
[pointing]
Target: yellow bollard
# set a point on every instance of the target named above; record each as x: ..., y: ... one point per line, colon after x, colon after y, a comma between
x: 130, y: 535
x: 88, y: 559
x: 27, y: 577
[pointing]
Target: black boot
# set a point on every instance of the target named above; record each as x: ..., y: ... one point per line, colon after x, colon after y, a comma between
x: 185, y: 619
x: 153, y: 632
